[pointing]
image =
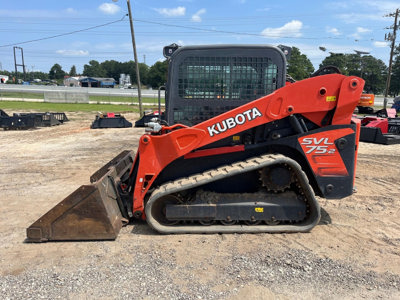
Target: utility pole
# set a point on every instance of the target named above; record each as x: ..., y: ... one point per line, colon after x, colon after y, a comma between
x: 136, y: 59
x: 135, y: 56
x: 390, y: 37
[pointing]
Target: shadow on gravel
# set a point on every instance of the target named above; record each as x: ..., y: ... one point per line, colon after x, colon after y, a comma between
x: 141, y: 228
x: 325, y: 218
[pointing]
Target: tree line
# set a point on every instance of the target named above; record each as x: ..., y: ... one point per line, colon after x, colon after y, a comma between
x: 154, y: 76
x: 372, y: 70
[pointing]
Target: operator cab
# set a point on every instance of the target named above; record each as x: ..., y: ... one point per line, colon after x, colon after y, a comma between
x: 206, y: 81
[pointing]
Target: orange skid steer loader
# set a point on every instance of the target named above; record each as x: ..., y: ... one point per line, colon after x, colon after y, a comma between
x: 256, y: 167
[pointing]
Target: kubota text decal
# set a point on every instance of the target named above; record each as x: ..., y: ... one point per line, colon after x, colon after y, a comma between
x: 232, y: 122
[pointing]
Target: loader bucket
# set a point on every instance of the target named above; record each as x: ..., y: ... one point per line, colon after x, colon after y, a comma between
x: 92, y: 212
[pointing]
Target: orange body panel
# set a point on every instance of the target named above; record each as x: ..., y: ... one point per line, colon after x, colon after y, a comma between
x: 366, y: 100
x: 313, y: 98
x: 322, y: 154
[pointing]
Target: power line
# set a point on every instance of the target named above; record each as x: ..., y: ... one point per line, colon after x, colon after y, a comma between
x: 249, y: 17
x: 119, y: 29
x: 205, y: 30
x: 63, y: 34
x: 229, y: 32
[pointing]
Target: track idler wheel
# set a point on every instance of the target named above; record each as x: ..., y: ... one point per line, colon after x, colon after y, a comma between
x: 159, y: 209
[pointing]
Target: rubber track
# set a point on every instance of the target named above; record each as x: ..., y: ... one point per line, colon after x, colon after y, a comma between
x: 230, y: 170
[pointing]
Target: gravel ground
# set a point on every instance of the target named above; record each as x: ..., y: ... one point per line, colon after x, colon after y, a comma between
x: 353, y: 253
x: 156, y: 274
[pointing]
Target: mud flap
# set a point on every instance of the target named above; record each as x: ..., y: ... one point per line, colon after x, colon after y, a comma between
x: 92, y: 212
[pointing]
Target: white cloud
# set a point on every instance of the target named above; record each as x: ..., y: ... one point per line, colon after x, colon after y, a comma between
x: 333, y: 30
x: 172, y: 12
x: 365, y: 10
x: 352, y: 18
x: 363, y: 30
x: 73, y: 52
x: 359, y: 32
x: 379, y: 44
x: 71, y: 10
x: 109, y: 8
x: 264, y: 9
x: 338, y: 5
x: 291, y: 29
x: 197, y: 16
x: 380, y: 6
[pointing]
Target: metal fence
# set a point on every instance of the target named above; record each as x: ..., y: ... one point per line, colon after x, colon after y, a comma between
x: 66, y: 97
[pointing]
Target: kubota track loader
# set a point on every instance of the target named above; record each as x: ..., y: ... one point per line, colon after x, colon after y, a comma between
x: 239, y: 152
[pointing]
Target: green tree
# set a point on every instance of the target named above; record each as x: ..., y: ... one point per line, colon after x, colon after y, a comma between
x: 338, y: 60
x: 94, y: 69
x: 39, y: 75
x: 299, y: 66
x: 29, y: 76
x: 130, y: 68
x: 371, y: 69
x: 72, y: 72
x: 113, y: 69
x: 395, y: 79
x: 56, y: 72
x: 157, y: 74
x: 144, y: 73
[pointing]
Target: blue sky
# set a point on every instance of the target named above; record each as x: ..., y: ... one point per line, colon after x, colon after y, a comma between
x: 339, y: 26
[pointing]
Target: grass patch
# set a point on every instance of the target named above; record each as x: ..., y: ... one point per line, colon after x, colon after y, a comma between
x: 65, y: 107
x: 124, y: 99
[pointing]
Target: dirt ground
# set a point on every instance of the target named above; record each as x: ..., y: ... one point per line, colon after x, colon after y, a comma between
x: 353, y: 253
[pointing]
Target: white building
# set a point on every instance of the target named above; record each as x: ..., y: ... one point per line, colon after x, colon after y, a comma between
x: 72, y: 81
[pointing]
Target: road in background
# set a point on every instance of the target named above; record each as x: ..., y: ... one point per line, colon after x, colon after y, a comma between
x: 40, y: 89
x: 379, y: 101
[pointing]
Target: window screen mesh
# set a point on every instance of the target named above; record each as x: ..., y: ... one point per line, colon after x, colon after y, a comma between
x: 208, y: 85
x: 194, y: 114
x: 226, y: 78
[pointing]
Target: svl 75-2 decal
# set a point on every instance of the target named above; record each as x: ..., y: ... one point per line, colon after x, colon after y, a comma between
x: 322, y: 153
x: 318, y: 145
